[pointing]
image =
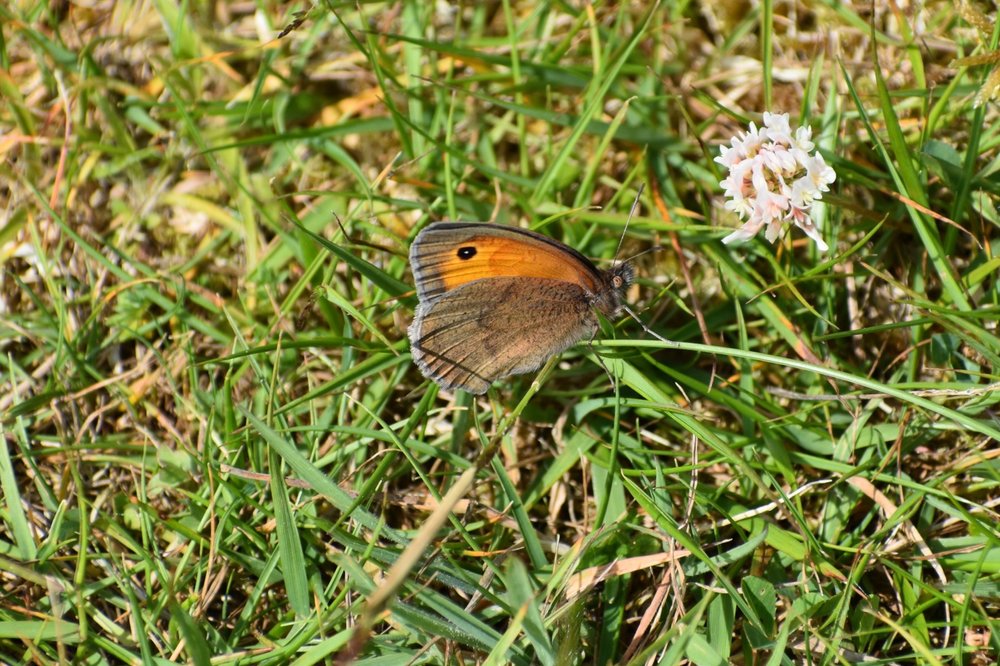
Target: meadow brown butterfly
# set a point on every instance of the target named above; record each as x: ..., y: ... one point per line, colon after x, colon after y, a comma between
x: 498, y: 301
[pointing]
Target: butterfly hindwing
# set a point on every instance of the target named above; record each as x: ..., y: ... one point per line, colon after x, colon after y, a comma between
x: 454, y: 338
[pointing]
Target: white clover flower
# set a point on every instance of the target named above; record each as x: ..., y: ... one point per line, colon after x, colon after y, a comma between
x: 774, y: 177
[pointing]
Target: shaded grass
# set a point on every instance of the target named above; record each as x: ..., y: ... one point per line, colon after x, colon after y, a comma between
x: 217, y: 449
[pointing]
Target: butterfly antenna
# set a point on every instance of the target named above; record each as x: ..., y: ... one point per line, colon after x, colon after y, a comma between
x: 631, y: 212
x: 654, y: 248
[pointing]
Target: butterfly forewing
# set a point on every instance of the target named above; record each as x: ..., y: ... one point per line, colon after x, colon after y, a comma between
x: 446, y: 255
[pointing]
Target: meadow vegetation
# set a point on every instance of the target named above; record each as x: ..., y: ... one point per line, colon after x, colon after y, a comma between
x: 216, y: 448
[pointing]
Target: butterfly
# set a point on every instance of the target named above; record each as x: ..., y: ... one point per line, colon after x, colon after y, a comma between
x: 496, y: 301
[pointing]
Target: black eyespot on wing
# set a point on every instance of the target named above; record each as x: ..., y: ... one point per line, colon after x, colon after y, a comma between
x: 467, y: 252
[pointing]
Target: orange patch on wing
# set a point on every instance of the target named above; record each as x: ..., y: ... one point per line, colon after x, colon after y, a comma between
x: 504, y: 257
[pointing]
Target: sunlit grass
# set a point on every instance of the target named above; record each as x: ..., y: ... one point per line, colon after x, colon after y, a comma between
x: 217, y: 448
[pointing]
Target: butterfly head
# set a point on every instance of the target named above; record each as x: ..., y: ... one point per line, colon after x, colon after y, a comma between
x: 615, y: 281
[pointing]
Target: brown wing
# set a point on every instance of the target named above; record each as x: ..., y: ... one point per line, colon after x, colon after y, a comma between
x: 447, y: 255
x: 482, y: 331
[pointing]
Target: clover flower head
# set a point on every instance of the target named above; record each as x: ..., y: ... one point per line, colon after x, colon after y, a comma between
x: 773, y: 178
